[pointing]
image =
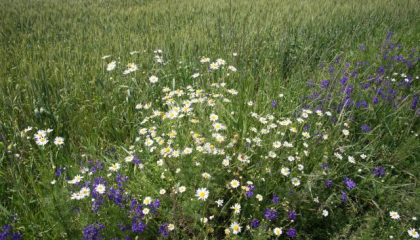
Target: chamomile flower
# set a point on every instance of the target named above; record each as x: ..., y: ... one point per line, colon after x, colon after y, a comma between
x: 147, y: 201
x: 114, y: 167
x: 277, y: 231
x: 59, y: 141
x: 100, y: 188
x: 413, y: 233
x: 111, y: 66
x: 204, y: 59
x: 259, y: 197
x: 153, y: 79
x: 220, y: 61
x: 394, y: 215
x: 243, y: 158
x: 42, y: 141
x: 285, y: 171
x: 233, y: 91
x: 232, y: 68
x: 206, y: 175
x: 214, y: 66
x: 325, y: 213
x: 225, y: 162
x: 236, y: 208
x: 84, y: 192
x: 219, y: 202
x: 234, y: 183
x: 171, y: 227
x: 345, y: 132
x: 213, y: 117
x: 202, y: 194
x: 187, y: 151
x: 295, y: 182
x: 146, y: 211
x: 182, y: 189
x: 129, y: 159
x: 235, y: 227
x: 277, y: 144
x: 76, y: 179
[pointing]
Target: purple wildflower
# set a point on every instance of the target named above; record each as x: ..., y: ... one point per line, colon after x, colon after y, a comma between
x: 292, y: 215
x: 91, y: 232
x: 274, y: 103
x: 291, y: 233
x: 415, y: 102
x: 138, y: 226
x: 362, y: 104
x: 378, y: 171
x: 250, y: 191
x: 365, y: 128
x: 255, y: 223
x: 328, y: 183
x: 350, y: 184
x: 343, y: 197
x: 276, y: 199
x: 59, y: 171
x: 325, y: 83
x: 163, y: 229
x: 270, y: 214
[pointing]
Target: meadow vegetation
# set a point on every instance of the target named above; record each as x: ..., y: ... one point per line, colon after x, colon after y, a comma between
x: 236, y: 119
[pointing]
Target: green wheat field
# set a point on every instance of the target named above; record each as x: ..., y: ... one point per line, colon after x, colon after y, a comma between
x: 200, y: 119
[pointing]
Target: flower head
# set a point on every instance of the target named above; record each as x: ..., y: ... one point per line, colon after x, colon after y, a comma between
x: 202, y: 194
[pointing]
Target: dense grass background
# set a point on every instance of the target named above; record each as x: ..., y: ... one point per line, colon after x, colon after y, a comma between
x: 51, y: 76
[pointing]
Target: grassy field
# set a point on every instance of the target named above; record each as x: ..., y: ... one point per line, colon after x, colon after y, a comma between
x: 53, y: 75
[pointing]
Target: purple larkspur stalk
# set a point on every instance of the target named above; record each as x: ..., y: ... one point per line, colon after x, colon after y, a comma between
x: 415, y: 102
x: 343, y: 80
x: 270, y: 214
x: 362, y: 104
x: 343, y: 197
x: 59, y: 171
x: 138, y: 226
x: 275, y: 199
x: 350, y: 184
x: 292, y: 215
x: 379, y: 171
x: 255, y: 223
x: 366, y: 128
x: 325, y: 83
x: 163, y: 229
x: 328, y: 183
x: 274, y: 103
x: 291, y: 233
x: 91, y: 232
x: 116, y: 196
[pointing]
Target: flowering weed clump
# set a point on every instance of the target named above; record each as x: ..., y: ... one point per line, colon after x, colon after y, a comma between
x: 203, y: 164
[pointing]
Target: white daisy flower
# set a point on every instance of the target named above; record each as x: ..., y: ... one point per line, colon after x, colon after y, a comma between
x: 202, y: 194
